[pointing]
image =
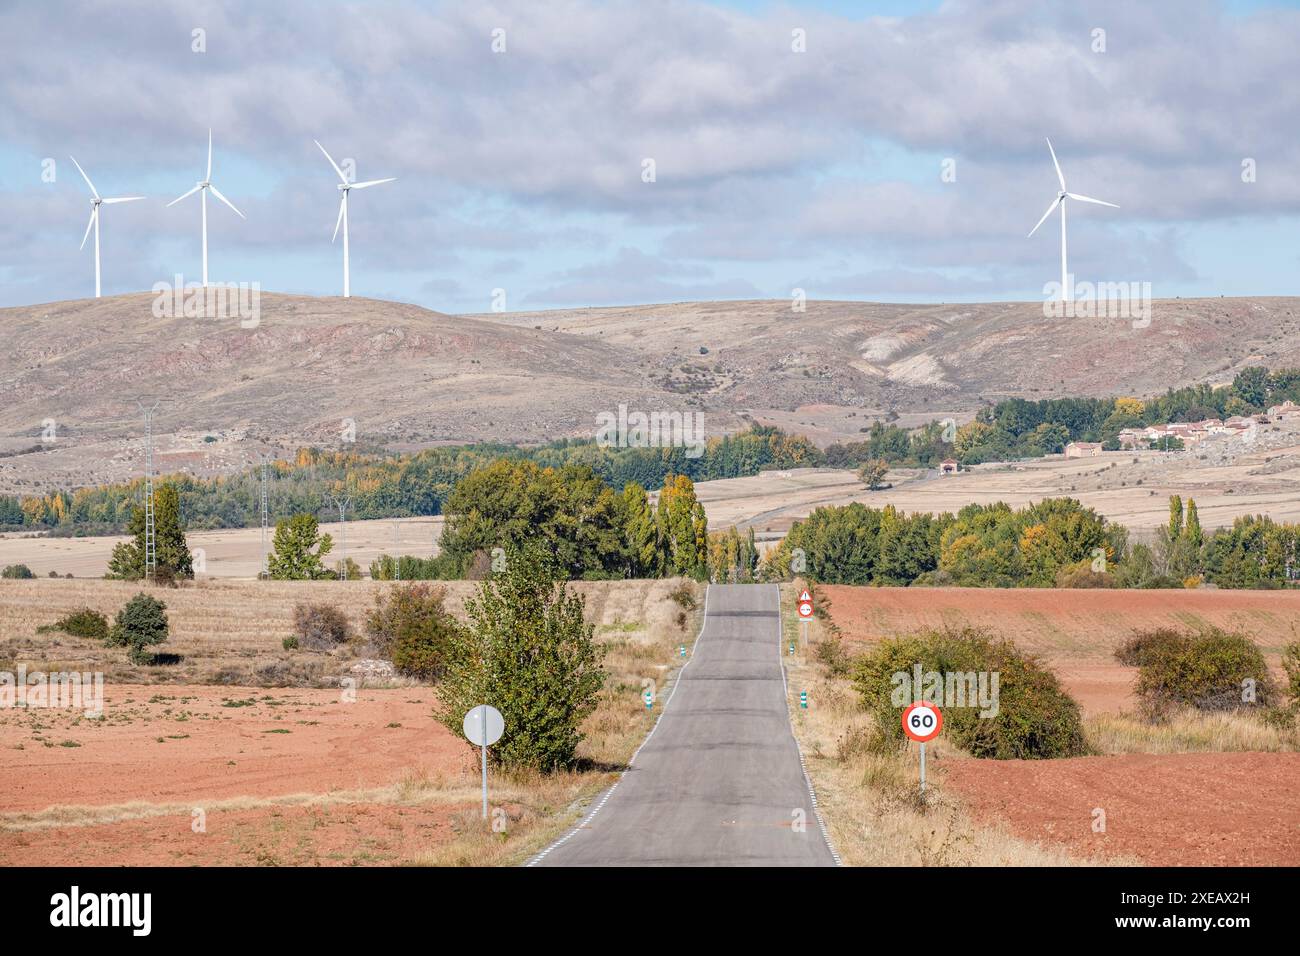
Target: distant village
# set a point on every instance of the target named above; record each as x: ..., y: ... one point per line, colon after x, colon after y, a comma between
x: 1189, y: 433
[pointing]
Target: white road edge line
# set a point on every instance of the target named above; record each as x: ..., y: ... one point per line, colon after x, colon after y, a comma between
x: 789, y: 712
x: 704, y: 622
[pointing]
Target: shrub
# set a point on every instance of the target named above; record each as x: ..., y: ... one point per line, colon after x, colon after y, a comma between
x: 84, y: 622
x: 684, y: 596
x: 320, y: 626
x: 529, y: 653
x: 410, y: 626
x: 1149, y: 647
x: 1083, y: 576
x: 290, y: 643
x: 17, y: 571
x: 1035, y: 717
x: 1207, y: 671
x: 141, y: 624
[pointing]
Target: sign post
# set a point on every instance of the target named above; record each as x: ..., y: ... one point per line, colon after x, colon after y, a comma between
x: 483, y: 727
x: 922, y: 721
x: 805, y: 614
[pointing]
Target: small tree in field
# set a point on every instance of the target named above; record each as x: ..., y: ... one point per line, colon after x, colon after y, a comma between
x: 294, y: 558
x: 872, y: 474
x: 141, y: 624
x: 529, y: 653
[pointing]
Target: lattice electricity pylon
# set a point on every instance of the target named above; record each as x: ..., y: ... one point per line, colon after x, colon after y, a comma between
x: 342, y: 505
x: 265, y: 517
x: 150, y: 539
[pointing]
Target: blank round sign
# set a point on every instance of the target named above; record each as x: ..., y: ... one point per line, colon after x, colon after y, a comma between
x: 483, y: 725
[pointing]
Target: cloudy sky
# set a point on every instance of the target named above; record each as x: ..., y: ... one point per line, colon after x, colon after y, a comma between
x: 800, y: 145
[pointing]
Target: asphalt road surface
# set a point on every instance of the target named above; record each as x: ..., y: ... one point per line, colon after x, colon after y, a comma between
x: 719, y: 781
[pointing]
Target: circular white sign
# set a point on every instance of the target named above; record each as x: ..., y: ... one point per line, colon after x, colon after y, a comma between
x: 922, y: 721
x: 483, y: 725
x: 805, y: 610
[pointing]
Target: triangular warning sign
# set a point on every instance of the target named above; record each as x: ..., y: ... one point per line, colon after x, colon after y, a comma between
x: 805, y: 597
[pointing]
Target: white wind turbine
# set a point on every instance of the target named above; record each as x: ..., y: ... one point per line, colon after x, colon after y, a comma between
x: 1060, y: 201
x: 345, y: 187
x: 95, y: 203
x: 203, y: 187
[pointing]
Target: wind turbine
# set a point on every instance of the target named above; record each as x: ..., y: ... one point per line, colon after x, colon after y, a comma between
x: 345, y: 187
x: 95, y: 203
x: 203, y: 188
x: 1060, y: 201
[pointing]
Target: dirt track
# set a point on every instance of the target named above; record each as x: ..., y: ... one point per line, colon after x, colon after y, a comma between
x: 1214, y: 809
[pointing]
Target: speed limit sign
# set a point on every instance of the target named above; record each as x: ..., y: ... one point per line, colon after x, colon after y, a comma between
x: 922, y: 721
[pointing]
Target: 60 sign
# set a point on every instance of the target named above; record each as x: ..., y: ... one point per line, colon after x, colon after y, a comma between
x: 922, y: 721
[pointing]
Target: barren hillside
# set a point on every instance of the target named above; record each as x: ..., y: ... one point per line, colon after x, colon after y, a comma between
x: 408, y: 377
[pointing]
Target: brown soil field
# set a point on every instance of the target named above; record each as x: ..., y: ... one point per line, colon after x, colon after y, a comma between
x: 1216, y: 809
x: 293, y: 775
x: 1075, y: 631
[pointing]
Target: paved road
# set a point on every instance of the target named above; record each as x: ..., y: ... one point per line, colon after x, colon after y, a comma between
x: 719, y: 779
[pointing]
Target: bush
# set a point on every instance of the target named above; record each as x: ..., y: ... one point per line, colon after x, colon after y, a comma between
x: 321, y: 626
x: 529, y: 653
x: 1207, y: 671
x: 84, y: 622
x: 290, y: 643
x: 1149, y: 647
x: 1291, y: 666
x: 141, y: 624
x: 17, y: 571
x: 1083, y: 576
x: 1035, y: 717
x: 684, y: 596
x: 410, y: 626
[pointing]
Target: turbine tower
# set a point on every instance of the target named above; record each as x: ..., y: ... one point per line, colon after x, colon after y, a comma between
x: 95, y: 203
x: 1060, y: 201
x: 202, y: 188
x: 345, y: 187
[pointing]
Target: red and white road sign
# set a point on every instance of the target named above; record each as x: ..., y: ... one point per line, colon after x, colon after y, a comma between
x: 805, y: 605
x: 922, y: 721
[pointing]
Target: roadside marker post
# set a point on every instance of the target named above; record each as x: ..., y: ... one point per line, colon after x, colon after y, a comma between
x: 805, y: 613
x: 483, y: 727
x: 682, y: 651
x: 792, y: 647
x: 649, y: 700
x: 922, y: 721
x: 803, y: 699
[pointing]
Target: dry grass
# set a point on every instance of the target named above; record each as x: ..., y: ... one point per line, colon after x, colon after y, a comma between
x: 1187, y: 732
x: 868, y: 795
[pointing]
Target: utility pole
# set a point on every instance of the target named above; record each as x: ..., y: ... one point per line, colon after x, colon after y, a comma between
x: 150, y: 541
x: 342, y: 505
x: 397, y: 559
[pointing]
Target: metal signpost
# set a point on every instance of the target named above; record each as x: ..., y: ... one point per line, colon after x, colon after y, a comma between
x: 922, y: 721
x: 483, y: 727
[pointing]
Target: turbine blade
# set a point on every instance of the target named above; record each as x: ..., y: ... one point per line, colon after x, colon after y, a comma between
x: 373, y: 182
x: 1090, y: 199
x: 1059, y: 175
x: 122, y: 199
x: 339, y: 220
x: 190, y: 193
x: 93, y: 213
x: 343, y: 178
x: 84, y: 176
x: 1055, y: 202
x: 209, y: 175
x: 217, y: 192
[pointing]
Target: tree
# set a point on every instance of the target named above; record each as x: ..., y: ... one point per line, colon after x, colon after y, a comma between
x: 641, y: 535
x: 1175, y: 517
x: 299, y: 550
x: 141, y: 624
x: 872, y: 474
x: 17, y: 571
x: 683, y: 529
x: 1192, y: 529
x: 411, y: 627
x: 172, y: 554
x: 530, y: 654
x: 1251, y: 386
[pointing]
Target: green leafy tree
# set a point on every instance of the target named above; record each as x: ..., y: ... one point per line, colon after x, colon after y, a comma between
x: 299, y: 549
x: 529, y: 653
x: 141, y: 624
x: 872, y: 473
x: 1175, y: 517
x: 683, y: 529
x: 640, y: 533
x: 171, y: 551
x: 1192, y: 530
